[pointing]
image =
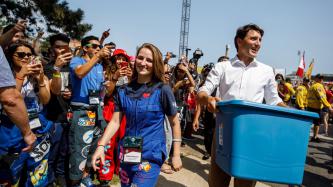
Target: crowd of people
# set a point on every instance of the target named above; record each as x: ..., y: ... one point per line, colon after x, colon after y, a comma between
x: 72, y: 115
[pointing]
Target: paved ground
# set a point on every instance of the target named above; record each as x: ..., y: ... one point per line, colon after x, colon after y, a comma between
x: 195, y: 170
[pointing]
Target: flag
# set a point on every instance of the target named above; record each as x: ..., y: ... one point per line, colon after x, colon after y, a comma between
x: 301, y: 67
x: 309, y: 71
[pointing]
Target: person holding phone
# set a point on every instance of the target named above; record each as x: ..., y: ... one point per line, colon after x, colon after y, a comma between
x: 13, y: 33
x: 121, y: 61
x: 57, y: 70
x: 34, y: 87
x: 115, y: 70
x: 145, y: 101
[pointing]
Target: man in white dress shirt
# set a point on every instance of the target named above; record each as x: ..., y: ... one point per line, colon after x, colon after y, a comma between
x: 245, y: 78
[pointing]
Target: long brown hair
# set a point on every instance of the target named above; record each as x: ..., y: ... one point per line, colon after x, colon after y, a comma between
x: 158, y: 65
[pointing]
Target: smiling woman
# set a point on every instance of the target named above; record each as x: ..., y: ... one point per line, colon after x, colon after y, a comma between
x: 145, y: 101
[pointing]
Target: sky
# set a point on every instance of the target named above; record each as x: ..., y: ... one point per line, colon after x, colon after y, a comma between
x: 290, y: 26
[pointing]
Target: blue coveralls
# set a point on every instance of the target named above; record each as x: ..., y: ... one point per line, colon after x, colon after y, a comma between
x: 13, y: 160
x: 145, y: 118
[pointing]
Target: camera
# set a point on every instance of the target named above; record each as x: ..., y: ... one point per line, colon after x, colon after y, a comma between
x: 197, y: 53
x: 172, y: 55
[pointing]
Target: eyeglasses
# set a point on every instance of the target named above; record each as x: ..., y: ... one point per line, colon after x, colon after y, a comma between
x: 23, y: 54
x: 94, y: 46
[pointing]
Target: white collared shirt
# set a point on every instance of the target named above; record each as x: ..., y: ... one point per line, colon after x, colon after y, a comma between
x: 235, y: 80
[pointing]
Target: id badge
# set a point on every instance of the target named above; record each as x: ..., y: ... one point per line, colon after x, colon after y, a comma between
x: 93, y: 100
x: 132, y: 150
x: 34, y: 123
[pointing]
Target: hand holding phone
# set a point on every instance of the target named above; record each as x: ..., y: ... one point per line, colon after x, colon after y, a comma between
x: 124, y: 64
x: 64, y: 49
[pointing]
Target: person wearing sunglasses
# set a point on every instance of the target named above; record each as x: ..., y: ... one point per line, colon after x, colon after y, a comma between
x: 34, y: 88
x: 13, y: 105
x: 86, y: 77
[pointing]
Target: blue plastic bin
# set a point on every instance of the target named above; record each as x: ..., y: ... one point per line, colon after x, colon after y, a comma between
x: 262, y: 142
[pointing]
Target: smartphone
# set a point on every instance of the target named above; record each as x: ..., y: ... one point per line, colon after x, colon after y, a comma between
x: 124, y: 64
x: 35, y: 60
x: 65, y: 49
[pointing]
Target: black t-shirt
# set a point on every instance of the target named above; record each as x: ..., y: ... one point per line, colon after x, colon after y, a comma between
x: 168, y: 101
x: 57, y: 107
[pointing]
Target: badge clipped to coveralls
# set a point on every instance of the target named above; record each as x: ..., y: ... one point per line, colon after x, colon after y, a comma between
x: 93, y: 97
x: 34, y: 120
x: 132, y: 150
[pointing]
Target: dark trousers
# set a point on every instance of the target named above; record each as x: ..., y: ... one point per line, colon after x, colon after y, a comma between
x: 218, y: 178
x: 58, y: 156
x: 208, y: 138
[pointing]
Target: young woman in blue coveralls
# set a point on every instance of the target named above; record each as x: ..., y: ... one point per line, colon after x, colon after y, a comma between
x: 145, y: 102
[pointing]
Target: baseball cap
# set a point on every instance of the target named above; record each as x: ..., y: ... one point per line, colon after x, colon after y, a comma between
x: 121, y: 52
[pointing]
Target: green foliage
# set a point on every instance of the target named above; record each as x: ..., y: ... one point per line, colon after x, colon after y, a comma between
x: 54, y: 14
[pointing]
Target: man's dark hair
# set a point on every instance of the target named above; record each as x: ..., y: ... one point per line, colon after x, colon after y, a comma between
x: 60, y: 37
x: 288, y: 79
x: 86, y: 40
x: 111, y: 43
x: 242, y: 31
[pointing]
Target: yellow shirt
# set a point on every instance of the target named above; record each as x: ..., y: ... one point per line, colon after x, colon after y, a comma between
x: 290, y: 92
x: 317, y: 96
x: 301, y: 96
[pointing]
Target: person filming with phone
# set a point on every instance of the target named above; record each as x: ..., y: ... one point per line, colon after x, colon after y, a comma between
x: 34, y: 88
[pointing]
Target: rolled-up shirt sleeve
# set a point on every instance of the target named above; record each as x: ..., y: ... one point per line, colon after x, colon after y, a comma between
x: 213, y: 79
x: 270, y: 93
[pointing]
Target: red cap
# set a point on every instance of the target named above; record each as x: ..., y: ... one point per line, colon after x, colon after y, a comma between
x: 121, y: 52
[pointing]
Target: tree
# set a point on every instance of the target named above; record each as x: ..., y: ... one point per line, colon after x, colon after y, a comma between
x: 54, y: 15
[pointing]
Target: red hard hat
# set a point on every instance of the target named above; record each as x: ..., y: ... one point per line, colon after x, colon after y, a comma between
x: 121, y: 52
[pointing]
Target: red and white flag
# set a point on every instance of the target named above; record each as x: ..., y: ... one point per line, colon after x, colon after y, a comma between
x: 301, y: 67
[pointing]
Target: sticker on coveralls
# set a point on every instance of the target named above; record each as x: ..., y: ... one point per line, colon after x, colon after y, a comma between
x: 121, y: 153
x: 146, y: 95
x: 86, y: 121
x: 85, y: 151
x: 97, y: 131
x: 88, y: 136
x: 39, y: 176
x: 145, y: 166
x: 124, y: 177
x: 39, y: 152
x: 106, y: 166
x: 134, y: 185
x: 82, y: 165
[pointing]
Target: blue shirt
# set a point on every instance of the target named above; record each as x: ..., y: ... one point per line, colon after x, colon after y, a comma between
x: 6, y: 75
x: 92, y: 81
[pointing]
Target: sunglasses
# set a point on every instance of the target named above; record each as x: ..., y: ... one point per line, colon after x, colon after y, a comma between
x: 94, y: 46
x: 23, y: 54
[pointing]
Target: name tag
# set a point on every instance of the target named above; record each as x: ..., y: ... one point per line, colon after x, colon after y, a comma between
x: 39, y: 152
x: 132, y: 150
x: 93, y: 100
x: 132, y: 156
x: 34, y: 123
